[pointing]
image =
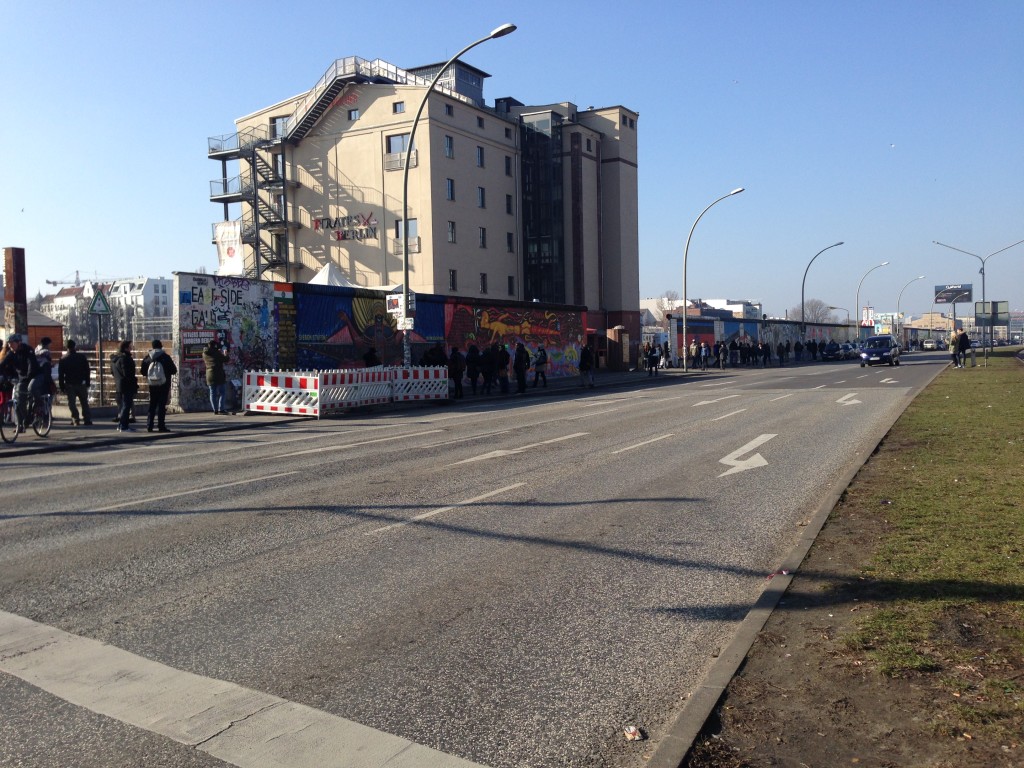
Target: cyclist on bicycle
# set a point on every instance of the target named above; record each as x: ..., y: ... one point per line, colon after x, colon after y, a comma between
x: 42, y: 383
x: 19, y: 365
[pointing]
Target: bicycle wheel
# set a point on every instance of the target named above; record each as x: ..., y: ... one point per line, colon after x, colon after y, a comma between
x: 43, y: 419
x: 8, y: 425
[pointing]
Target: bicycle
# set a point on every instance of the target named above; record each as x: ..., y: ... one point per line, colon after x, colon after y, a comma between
x: 8, y: 416
x: 42, y: 415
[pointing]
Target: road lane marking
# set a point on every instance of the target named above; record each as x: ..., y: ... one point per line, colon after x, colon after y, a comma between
x: 888, y: 381
x: 716, y: 400
x: 590, y: 415
x: 821, y: 386
x: 347, y: 446
x: 719, y: 418
x: 848, y: 399
x: 741, y: 465
x: 237, y: 725
x: 164, y: 497
x: 594, y: 403
x: 433, y: 512
x: 781, y: 397
x: 645, y: 442
x: 715, y: 384
x: 501, y: 452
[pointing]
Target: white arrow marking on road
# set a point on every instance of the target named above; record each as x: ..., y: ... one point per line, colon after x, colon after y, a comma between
x: 741, y: 465
x: 511, y: 451
x: 888, y: 381
x: 716, y: 400
x: 848, y: 399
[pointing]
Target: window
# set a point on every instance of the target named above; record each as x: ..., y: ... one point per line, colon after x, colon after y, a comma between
x: 588, y: 145
x: 625, y: 121
x: 449, y: 146
x: 353, y: 114
x: 479, y: 157
x: 632, y: 123
x: 508, y: 133
x: 483, y: 282
x: 449, y: 189
x: 508, y: 165
x: 449, y: 110
x: 453, y: 280
x: 400, y: 230
x: 481, y: 197
x: 510, y: 242
x: 483, y: 237
x: 398, y: 107
x: 511, y: 285
x: 451, y: 231
x: 508, y: 204
x: 397, y: 144
x: 479, y: 122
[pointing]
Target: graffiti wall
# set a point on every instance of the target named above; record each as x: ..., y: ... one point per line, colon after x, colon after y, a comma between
x: 335, y: 327
x: 237, y: 312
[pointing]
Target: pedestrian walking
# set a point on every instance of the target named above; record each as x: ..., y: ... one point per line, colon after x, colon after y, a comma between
x: 540, y: 366
x: 473, y: 360
x: 586, y: 366
x: 370, y: 359
x: 126, y: 385
x: 214, y: 360
x: 489, y: 367
x: 158, y: 368
x: 73, y: 375
x: 521, y: 364
x: 504, y: 358
x: 653, y: 357
x: 963, y: 345
x: 456, y: 370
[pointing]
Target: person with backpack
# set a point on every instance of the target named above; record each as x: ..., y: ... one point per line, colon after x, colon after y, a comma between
x: 158, y: 368
x: 214, y: 360
x: 540, y: 366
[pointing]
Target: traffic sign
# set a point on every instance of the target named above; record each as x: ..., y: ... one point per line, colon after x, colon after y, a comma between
x: 100, y: 305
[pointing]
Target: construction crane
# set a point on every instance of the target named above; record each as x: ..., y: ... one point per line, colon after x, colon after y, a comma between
x: 76, y: 281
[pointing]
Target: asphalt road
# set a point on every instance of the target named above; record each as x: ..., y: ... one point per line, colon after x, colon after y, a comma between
x: 506, y: 584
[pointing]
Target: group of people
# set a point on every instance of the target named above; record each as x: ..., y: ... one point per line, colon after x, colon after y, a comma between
x: 495, y: 365
x: 28, y: 371
x: 959, y: 344
x: 702, y: 355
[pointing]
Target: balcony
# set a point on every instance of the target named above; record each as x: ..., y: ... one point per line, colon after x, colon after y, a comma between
x: 395, y: 161
x: 397, y: 248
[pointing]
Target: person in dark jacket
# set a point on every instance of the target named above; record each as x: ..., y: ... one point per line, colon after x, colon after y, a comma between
x: 73, y: 376
x: 456, y: 370
x: 473, y: 366
x: 521, y: 364
x: 20, y: 367
x: 370, y: 359
x: 126, y: 385
x: 586, y: 366
x: 159, y: 385
x: 42, y: 384
x: 214, y: 359
x: 489, y: 367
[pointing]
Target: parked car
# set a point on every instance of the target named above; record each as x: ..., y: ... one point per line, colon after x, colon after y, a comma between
x: 929, y: 345
x: 831, y: 351
x: 880, y: 349
x: 849, y: 351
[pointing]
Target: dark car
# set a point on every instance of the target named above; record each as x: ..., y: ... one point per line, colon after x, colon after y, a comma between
x: 880, y: 349
x: 831, y: 351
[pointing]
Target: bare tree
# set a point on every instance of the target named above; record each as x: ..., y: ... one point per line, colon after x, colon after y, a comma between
x: 666, y: 304
x: 815, y: 311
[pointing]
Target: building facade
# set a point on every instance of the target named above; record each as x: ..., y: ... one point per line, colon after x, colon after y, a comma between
x: 519, y: 202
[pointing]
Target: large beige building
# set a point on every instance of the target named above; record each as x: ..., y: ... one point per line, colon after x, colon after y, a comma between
x: 506, y: 201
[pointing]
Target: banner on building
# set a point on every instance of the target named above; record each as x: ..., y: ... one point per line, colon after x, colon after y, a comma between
x: 228, y: 236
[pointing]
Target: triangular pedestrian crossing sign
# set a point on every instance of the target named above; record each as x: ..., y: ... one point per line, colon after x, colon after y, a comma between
x: 99, y: 305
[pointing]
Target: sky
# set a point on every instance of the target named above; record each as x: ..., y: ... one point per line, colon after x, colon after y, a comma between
x: 885, y: 125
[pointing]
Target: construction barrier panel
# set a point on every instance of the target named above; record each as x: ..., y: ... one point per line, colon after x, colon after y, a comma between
x: 319, y: 393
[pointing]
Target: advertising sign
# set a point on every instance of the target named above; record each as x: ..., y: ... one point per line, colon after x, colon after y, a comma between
x: 953, y: 294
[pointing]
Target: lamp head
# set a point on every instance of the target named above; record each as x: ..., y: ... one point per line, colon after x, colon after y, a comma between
x: 736, y: 191
x: 504, y: 29
x: 884, y: 263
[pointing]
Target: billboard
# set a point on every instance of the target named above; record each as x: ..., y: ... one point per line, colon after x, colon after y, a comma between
x: 991, y: 314
x: 954, y: 294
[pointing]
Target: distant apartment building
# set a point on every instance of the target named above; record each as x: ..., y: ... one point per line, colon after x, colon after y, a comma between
x: 511, y: 201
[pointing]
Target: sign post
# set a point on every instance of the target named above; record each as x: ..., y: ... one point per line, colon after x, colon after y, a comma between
x: 99, y: 307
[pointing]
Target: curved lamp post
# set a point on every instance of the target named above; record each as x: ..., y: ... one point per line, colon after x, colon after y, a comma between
x: 857, y: 304
x: 844, y: 309
x: 686, y: 252
x: 898, y: 298
x: 803, y: 326
x: 504, y: 29
x: 982, y: 273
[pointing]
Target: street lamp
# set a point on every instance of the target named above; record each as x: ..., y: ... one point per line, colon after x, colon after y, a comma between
x: 504, y: 29
x: 803, y: 326
x: 857, y: 303
x: 988, y: 315
x: 898, y: 298
x: 833, y: 309
x: 686, y: 252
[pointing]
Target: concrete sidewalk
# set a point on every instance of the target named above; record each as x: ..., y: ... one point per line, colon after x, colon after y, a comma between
x: 65, y: 436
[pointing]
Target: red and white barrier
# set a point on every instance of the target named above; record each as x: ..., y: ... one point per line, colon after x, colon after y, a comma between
x: 318, y: 393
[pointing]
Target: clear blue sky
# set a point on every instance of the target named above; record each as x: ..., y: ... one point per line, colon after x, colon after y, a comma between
x: 883, y: 124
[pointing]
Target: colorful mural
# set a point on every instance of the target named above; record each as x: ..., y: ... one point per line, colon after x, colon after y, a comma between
x: 239, y: 313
